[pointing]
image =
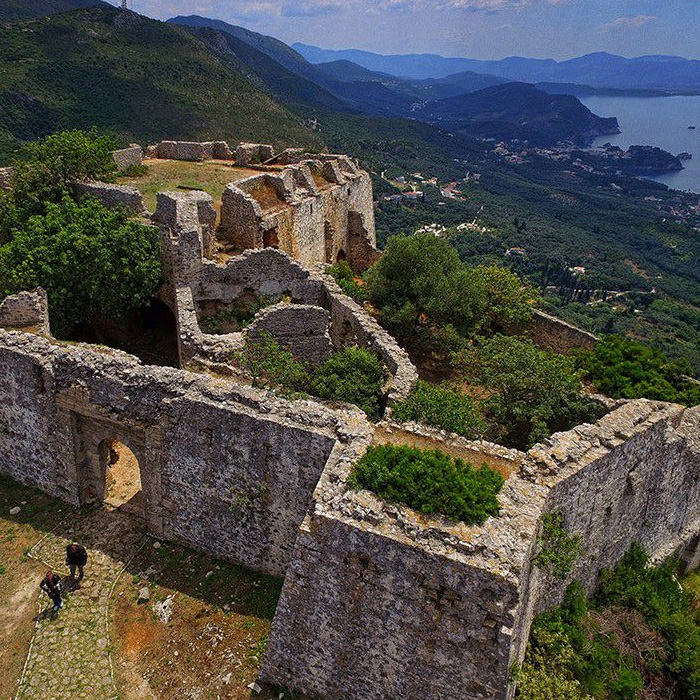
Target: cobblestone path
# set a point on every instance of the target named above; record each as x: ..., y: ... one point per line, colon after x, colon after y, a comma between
x: 69, y: 658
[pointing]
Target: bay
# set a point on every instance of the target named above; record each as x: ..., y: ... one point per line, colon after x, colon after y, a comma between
x: 656, y: 121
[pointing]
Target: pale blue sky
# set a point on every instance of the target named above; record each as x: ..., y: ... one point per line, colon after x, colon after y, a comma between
x: 472, y: 28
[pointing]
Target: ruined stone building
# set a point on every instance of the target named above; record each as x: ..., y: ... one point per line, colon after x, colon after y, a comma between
x: 378, y: 601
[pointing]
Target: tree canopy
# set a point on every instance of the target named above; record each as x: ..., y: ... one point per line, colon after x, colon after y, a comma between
x: 88, y: 258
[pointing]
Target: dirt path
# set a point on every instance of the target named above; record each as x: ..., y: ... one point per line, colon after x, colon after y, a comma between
x: 70, y: 652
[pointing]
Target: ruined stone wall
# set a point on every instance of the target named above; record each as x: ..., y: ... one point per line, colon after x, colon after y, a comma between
x: 28, y: 310
x: 551, y: 332
x: 126, y: 158
x: 224, y: 468
x: 112, y: 195
x: 190, y: 150
x: 381, y: 602
x: 633, y: 477
x: 300, y: 328
x: 315, y: 211
x: 253, y: 153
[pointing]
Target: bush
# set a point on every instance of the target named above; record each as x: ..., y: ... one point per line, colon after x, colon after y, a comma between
x: 627, y: 369
x: 638, y: 636
x: 430, y: 482
x: 88, y: 258
x: 441, y: 407
x: 557, y: 551
x: 353, y: 375
x: 342, y: 273
x: 270, y: 366
x: 531, y: 393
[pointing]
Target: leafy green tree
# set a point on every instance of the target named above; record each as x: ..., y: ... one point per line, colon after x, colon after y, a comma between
x: 47, y: 169
x: 89, y: 259
x: 427, y: 297
x: 530, y: 393
x: 354, y: 375
x: 502, y: 299
x: 429, y: 481
x: 624, y: 368
x: 419, y: 281
x: 442, y: 407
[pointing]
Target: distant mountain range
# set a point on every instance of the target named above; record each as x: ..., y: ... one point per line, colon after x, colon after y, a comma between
x: 467, y: 102
x: 598, y: 70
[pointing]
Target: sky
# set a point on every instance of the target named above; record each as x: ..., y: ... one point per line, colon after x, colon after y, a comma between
x: 484, y: 29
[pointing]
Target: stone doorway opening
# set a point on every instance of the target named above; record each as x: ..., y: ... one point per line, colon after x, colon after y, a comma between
x: 123, y: 489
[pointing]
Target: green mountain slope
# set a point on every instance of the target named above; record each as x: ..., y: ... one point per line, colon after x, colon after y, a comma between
x: 17, y: 10
x: 132, y: 77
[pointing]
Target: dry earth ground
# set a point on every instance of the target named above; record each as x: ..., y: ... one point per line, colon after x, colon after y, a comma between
x: 199, y: 636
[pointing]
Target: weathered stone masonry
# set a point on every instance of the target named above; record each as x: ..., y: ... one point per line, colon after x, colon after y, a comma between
x: 378, y: 601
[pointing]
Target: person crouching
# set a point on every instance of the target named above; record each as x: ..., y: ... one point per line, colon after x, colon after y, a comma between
x: 52, y: 586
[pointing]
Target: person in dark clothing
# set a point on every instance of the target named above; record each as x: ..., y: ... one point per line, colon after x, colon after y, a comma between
x: 52, y: 586
x: 76, y: 556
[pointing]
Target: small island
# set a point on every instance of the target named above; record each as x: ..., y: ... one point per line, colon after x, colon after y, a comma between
x: 685, y: 156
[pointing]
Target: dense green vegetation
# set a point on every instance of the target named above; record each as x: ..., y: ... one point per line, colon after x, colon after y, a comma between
x: 131, y: 77
x: 430, y: 482
x: 351, y: 375
x: 342, y: 273
x: 557, y: 550
x: 529, y: 393
x: 442, y: 407
x: 628, y: 369
x: 427, y: 298
x: 638, y: 637
x: 90, y: 260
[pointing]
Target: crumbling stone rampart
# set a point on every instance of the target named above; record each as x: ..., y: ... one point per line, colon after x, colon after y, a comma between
x: 224, y: 467
x: 315, y: 211
x: 112, y: 195
x: 253, y: 153
x: 301, y: 328
x: 126, y: 158
x: 190, y: 150
x: 26, y: 311
x: 369, y: 580
x: 551, y: 332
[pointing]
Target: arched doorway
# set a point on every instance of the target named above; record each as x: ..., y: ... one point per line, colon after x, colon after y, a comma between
x: 123, y: 488
x: 341, y: 256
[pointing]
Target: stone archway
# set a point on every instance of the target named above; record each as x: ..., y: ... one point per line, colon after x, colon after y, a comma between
x: 93, y: 434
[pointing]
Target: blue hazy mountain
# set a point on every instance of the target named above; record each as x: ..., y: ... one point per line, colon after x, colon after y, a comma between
x: 599, y: 70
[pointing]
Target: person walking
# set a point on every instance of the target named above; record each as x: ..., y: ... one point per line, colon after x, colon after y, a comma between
x: 76, y: 557
x: 52, y: 586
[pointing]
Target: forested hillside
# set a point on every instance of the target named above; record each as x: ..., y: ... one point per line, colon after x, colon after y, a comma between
x: 132, y: 77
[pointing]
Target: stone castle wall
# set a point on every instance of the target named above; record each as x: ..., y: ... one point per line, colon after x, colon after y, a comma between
x: 403, y: 606
x: 551, y: 332
x: 223, y: 468
x: 130, y: 157
x: 315, y: 211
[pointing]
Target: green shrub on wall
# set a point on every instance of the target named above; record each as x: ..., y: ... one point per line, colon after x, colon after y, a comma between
x: 430, y: 482
x: 441, y: 407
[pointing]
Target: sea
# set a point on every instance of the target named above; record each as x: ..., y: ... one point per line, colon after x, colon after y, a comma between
x: 656, y: 121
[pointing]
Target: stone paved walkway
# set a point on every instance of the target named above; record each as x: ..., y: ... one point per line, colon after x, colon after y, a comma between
x: 69, y: 657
